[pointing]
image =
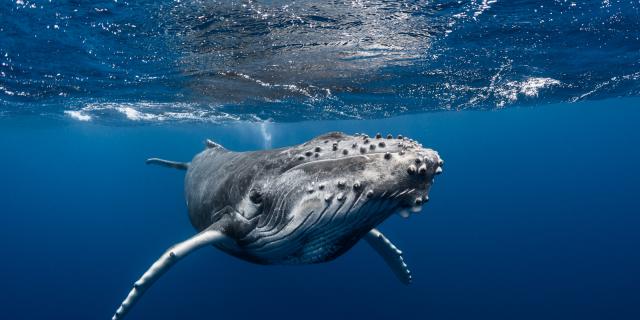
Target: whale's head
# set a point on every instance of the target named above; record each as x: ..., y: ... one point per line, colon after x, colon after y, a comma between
x: 351, y: 172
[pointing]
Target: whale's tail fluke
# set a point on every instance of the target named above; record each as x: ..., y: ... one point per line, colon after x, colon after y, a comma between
x: 169, y: 164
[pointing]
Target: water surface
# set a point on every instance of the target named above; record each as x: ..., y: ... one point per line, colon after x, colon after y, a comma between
x: 122, y: 61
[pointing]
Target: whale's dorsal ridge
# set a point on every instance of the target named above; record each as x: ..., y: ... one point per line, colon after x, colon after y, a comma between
x: 210, y: 144
x: 334, y: 135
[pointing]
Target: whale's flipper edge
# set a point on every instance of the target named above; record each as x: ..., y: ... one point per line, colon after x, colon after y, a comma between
x: 390, y: 253
x: 166, y: 261
x: 167, y: 163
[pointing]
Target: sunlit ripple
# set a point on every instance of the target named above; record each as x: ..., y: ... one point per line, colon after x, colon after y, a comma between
x: 216, y: 61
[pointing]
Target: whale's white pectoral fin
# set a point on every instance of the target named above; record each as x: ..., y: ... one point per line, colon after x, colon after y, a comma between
x: 168, y: 259
x: 390, y: 253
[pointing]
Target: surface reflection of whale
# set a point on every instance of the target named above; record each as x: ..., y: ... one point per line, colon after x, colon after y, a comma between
x: 277, y: 50
x: 303, y: 204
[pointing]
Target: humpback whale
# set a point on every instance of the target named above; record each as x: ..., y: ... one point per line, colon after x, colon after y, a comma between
x: 303, y: 204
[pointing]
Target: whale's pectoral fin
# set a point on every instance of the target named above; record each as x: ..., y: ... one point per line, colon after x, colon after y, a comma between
x: 391, y: 255
x: 168, y: 259
x: 167, y: 163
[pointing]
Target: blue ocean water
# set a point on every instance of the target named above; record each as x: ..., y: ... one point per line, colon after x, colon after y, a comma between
x: 532, y: 104
x: 210, y: 60
x: 535, y: 216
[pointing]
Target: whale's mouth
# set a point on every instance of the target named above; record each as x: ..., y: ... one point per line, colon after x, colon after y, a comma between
x: 418, y: 198
x: 407, y: 212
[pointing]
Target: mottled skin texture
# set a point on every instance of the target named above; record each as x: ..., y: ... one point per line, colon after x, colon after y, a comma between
x: 307, y: 203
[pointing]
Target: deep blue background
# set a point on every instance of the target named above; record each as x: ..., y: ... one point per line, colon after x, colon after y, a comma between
x: 535, y: 217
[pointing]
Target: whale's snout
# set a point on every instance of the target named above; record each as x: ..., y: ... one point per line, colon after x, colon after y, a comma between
x: 421, y: 166
x: 402, y: 170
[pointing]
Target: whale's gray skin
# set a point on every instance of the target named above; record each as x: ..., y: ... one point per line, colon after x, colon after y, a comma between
x: 308, y: 203
x: 303, y: 204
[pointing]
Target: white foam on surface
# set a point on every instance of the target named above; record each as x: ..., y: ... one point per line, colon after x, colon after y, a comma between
x: 149, y: 112
x: 135, y: 115
x: 78, y: 115
x: 529, y: 87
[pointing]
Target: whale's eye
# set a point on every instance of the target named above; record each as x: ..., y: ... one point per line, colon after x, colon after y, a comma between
x: 255, y: 196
